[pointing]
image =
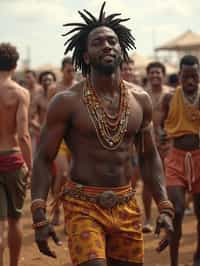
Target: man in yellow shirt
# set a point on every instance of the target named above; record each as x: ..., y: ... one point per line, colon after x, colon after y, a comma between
x: 181, y: 121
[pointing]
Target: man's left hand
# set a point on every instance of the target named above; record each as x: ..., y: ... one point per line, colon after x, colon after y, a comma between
x: 164, y: 221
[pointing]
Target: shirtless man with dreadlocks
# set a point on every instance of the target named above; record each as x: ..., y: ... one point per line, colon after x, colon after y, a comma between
x: 100, y: 119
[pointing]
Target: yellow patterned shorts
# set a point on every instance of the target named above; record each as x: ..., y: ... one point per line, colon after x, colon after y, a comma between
x: 97, y: 233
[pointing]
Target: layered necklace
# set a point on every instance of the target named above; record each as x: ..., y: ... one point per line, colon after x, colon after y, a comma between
x: 192, y: 99
x: 110, y: 129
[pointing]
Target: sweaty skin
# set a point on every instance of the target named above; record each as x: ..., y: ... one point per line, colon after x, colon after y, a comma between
x: 14, y: 132
x: 14, y: 136
x: 93, y: 165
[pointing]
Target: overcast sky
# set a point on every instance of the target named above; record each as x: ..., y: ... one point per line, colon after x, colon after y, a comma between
x: 38, y: 23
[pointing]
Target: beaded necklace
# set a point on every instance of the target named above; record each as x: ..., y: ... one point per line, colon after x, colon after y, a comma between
x: 110, y: 129
x: 192, y: 99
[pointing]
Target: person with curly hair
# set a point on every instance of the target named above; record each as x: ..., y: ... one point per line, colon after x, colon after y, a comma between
x: 15, y: 152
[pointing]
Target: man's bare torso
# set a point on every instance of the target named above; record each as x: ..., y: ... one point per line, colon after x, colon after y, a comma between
x: 93, y: 164
x: 41, y: 102
x: 10, y: 94
x: 157, y: 102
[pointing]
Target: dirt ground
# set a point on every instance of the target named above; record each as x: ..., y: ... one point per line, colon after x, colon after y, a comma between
x: 30, y: 256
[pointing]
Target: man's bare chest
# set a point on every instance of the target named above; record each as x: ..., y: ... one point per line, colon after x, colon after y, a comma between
x: 84, y: 123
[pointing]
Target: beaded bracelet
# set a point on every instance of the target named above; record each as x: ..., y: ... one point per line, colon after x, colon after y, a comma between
x: 38, y: 203
x: 40, y: 224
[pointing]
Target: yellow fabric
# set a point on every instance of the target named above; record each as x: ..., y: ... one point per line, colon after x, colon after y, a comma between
x: 64, y: 150
x: 183, y: 118
x: 97, y: 233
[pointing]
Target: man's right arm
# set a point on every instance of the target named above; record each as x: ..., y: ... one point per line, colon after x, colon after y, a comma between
x: 53, y: 131
x: 50, y: 139
x: 23, y: 127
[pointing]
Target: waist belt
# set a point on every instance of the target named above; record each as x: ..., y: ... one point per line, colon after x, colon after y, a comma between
x: 106, y: 199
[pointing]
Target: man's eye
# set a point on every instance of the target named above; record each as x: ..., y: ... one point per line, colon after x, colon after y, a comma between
x: 112, y: 41
x: 96, y: 42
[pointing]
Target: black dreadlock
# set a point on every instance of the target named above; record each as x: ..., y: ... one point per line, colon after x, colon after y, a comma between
x: 78, y: 41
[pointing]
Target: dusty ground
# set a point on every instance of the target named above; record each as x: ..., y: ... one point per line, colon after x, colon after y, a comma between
x: 30, y: 256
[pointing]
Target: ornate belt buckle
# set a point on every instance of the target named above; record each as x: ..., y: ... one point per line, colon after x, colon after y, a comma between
x: 108, y: 199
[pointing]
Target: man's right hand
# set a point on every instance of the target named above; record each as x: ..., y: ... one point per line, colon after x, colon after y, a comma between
x: 41, y: 237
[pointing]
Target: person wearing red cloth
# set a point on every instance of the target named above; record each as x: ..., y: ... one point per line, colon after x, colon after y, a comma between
x: 15, y: 152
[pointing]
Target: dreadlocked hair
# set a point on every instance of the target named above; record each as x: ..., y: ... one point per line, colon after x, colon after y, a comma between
x: 78, y: 41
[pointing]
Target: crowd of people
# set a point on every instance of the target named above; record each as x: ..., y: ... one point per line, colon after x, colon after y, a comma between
x: 89, y: 143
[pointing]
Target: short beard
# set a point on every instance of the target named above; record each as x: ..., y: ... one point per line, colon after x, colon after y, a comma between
x: 107, y: 69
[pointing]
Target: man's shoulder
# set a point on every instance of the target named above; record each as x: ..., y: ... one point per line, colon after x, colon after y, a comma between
x: 19, y: 91
x: 61, y: 87
x: 137, y: 91
x: 70, y: 97
x: 168, y: 90
x: 140, y: 95
x: 168, y: 95
x: 132, y: 86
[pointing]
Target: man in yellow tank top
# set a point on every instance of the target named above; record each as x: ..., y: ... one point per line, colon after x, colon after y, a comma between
x: 181, y: 121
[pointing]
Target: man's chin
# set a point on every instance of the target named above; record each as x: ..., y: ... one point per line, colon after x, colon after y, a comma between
x: 106, y: 69
x: 156, y: 84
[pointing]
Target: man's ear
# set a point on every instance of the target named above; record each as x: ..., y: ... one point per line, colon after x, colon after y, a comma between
x: 86, y: 58
x: 14, y: 69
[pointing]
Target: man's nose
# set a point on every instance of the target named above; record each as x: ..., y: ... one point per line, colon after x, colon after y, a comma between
x: 154, y: 74
x: 106, y: 46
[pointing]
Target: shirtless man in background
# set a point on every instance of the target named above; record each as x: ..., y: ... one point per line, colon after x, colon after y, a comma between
x: 47, y: 80
x: 15, y: 152
x: 34, y: 88
x: 129, y: 73
x: 68, y: 74
x: 31, y: 81
x: 157, y: 90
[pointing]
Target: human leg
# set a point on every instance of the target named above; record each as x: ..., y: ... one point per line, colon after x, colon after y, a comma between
x: 2, y: 240
x: 177, y: 197
x: 16, y: 188
x: 86, y: 236
x: 14, y: 240
x: 3, y: 218
x: 125, y: 245
x: 188, y: 207
x: 196, y: 199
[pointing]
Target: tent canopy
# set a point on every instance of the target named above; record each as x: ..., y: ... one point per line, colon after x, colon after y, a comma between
x: 186, y: 41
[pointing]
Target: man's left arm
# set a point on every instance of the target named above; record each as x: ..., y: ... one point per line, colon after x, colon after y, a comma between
x: 150, y: 164
x: 152, y: 169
